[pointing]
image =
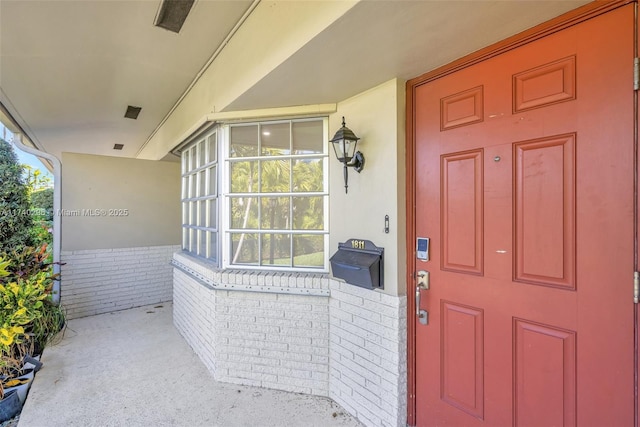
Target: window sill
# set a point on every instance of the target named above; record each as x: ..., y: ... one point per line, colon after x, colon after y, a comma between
x: 267, y: 281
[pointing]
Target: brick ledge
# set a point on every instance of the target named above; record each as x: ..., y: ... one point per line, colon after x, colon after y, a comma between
x: 252, y: 280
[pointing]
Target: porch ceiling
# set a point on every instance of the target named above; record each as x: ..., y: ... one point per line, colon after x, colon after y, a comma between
x: 69, y: 69
x: 379, y: 40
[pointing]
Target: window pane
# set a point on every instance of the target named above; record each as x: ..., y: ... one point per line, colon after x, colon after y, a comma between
x: 275, y: 139
x: 193, y: 208
x: 202, y: 243
x: 275, y: 175
x: 308, y: 251
x: 244, y: 177
x: 202, y: 220
x: 244, y: 248
x: 244, y: 212
x: 308, y: 175
x: 308, y: 137
x: 276, y: 249
x: 185, y: 213
x: 244, y: 141
x: 213, y: 214
x: 185, y: 187
x: 186, y: 159
x: 193, y: 241
x: 192, y: 186
x: 275, y: 213
x: 213, y: 246
x: 213, y: 148
x: 202, y: 183
x: 193, y: 164
x: 201, y: 153
x: 185, y: 239
x: 308, y: 213
x: 213, y: 181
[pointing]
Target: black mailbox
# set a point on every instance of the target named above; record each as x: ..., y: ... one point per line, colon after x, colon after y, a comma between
x: 360, y: 263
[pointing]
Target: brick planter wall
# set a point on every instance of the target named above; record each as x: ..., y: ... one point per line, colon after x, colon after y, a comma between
x: 297, y: 332
x: 368, y: 353
x: 104, y: 280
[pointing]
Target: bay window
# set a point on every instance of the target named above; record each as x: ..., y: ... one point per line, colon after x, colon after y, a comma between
x: 200, y: 197
x: 274, y: 198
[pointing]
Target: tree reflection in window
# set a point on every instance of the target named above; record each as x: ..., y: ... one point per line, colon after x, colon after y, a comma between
x: 277, y: 194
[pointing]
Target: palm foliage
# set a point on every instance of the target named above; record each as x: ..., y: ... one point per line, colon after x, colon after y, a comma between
x: 265, y: 200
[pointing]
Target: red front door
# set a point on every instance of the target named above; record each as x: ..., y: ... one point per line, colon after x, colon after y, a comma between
x: 524, y: 183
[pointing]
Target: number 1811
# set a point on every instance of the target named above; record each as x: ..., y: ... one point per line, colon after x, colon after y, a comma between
x: 357, y: 244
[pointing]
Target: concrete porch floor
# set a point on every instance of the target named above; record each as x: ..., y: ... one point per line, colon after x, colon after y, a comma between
x: 132, y: 368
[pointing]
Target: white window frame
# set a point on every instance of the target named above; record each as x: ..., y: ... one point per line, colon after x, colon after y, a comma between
x: 224, y: 195
x: 192, y: 194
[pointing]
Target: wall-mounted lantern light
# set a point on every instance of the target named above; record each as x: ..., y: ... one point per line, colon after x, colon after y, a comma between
x: 344, y: 144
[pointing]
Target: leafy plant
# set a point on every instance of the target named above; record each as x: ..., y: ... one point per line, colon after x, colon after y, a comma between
x: 27, y: 315
x: 46, y: 327
x: 33, y: 263
x: 27, y: 262
x: 42, y: 213
x: 20, y: 305
x: 41, y: 232
x: 35, y: 180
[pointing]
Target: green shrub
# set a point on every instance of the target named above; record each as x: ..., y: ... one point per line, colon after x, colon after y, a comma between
x: 27, y: 262
x: 42, y: 200
x: 28, y: 318
x: 15, y: 218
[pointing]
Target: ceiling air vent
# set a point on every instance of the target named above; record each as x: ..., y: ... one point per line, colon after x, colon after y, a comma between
x: 172, y: 14
x: 118, y: 146
x: 132, y: 112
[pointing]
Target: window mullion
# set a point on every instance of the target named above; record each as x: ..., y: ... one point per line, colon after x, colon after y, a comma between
x: 258, y: 195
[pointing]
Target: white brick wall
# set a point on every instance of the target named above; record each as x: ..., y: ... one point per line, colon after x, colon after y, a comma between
x: 105, y: 280
x: 368, y: 354
x: 272, y: 333
x: 284, y: 331
x: 194, y: 316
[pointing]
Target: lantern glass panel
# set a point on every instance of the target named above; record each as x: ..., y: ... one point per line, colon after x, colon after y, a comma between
x: 351, y: 148
x: 339, y: 149
x: 345, y: 148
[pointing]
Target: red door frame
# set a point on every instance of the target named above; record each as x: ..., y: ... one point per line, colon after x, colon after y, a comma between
x: 636, y: 129
x: 559, y: 23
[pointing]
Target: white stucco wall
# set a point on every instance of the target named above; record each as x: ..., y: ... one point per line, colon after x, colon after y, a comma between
x: 120, y: 228
x: 377, y: 117
x: 97, y: 189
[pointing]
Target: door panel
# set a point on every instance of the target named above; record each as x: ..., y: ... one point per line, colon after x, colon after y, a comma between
x: 525, y: 184
x: 544, y: 391
x: 462, y: 357
x: 462, y: 189
x: 544, y: 176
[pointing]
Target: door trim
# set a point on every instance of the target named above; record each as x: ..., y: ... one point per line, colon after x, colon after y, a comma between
x: 636, y: 160
x: 559, y: 23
